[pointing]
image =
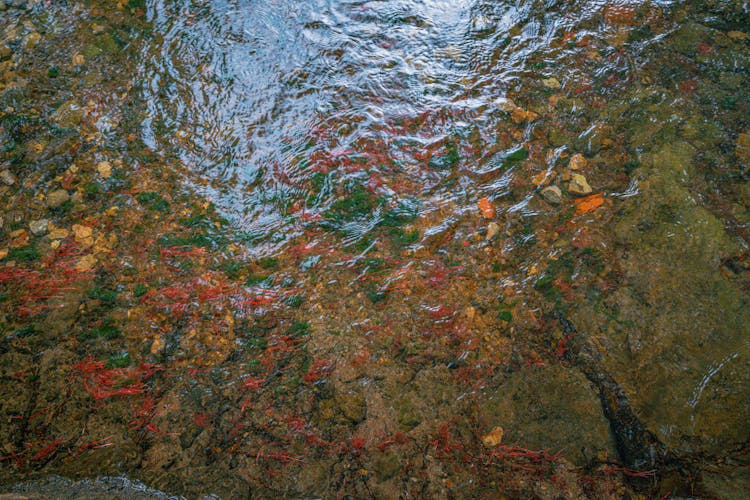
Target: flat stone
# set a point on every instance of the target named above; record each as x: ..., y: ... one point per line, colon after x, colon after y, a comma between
x: 7, y: 177
x: 57, y: 198
x: 39, y: 227
x: 579, y: 185
x: 552, y: 194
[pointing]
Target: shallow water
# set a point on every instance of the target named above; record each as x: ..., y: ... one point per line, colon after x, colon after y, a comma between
x: 387, y: 248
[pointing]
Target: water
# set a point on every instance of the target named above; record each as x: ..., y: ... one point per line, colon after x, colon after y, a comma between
x: 387, y: 248
x: 403, y: 98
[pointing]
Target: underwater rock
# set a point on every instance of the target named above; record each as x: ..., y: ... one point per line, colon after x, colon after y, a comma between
x: 492, y: 230
x: 579, y: 185
x: 552, y: 194
x: 7, y: 177
x: 57, y: 198
x: 38, y: 227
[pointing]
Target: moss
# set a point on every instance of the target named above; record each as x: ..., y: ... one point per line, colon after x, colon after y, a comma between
x: 299, y: 329
x: 406, y: 211
x: 295, y: 301
x: 103, y: 295
x: 153, y: 201
x: 119, y: 360
x: 358, y: 203
x: 516, y: 155
x: 401, y: 237
x: 268, y: 263
x: 448, y: 160
x: 25, y: 254
x: 140, y: 290
x: 107, y: 330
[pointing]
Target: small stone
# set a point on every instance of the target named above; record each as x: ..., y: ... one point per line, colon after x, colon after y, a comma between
x: 7, y: 177
x: 494, y: 438
x: 86, y: 263
x: 39, y: 227
x: 552, y: 83
x: 552, y: 194
x: 493, y: 228
x: 58, y: 234
x: 579, y: 185
x: 57, y: 198
x: 577, y: 162
x: 105, y: 169
x: 84, y: 235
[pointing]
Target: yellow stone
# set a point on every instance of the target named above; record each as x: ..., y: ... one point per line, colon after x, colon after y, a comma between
x: 105, y: 169
x: 86, y: 263
x: 494, y: 438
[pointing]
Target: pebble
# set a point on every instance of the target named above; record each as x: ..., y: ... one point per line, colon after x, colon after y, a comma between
x: 105, y: 169
x: 493, y: 228
x: 552, y: 83
x: 577, y: 162
x: 57, y: 198
x: 7, y: 177
x: 579, y: 185
x: 494, y: 438
x: 552, y: 194
x: 39, y: 227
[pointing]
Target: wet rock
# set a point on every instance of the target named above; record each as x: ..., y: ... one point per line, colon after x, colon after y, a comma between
x: 57, y: 198
x: 386, y: 465
x: 406, y: 414
x: 7, y: 177
x: 352, y: 404
x: 553, y: 407
x: 493, y: 228
x: 578, y: 185
x: 39, y: 227
x: 552, y: 194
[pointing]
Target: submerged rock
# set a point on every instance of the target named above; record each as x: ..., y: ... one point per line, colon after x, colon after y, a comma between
x: 552, y: 194
x: 39, y: 227
x: 493, y: 228
x: 57, y: 198
x: 7, y: 177
x: 579, y: 185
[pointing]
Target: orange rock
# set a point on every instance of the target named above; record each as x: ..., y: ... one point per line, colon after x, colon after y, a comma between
x: 486, y: 207
x: 589, y: 203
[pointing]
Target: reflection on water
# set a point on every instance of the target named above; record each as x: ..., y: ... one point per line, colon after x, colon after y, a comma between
x: 401, y: 97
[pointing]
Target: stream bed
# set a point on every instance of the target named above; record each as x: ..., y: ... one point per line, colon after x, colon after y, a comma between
x: 389, y: 249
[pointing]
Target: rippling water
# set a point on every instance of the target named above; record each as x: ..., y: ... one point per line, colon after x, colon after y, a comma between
x: 403, y: 97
